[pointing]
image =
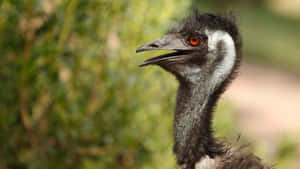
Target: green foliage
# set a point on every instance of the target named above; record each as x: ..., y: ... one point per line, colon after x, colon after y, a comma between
x: 71, y: 93
x: 270, y: 38
x: 287, y: 154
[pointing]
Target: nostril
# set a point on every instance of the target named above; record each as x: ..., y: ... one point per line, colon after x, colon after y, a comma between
x: 153, y: 45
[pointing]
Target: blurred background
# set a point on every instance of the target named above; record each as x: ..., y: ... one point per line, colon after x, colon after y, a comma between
x: 72, y: 95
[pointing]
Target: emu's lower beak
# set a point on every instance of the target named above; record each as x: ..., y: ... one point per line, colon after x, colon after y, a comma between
x: 167, y: 42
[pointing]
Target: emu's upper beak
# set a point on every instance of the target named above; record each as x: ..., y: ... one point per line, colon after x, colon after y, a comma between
x: 167, y: 42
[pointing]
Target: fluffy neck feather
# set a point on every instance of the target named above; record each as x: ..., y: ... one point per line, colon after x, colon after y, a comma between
x: 196, y: 98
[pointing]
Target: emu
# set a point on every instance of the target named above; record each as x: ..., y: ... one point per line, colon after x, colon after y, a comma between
x: 207, y: 54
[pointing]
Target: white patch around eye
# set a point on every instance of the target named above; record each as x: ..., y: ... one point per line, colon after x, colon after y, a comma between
x: 224, y: 68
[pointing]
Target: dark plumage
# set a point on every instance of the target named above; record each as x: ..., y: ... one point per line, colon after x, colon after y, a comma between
x: 207, y: 55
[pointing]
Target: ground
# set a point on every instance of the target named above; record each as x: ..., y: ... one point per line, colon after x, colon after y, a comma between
x: 268, y: 103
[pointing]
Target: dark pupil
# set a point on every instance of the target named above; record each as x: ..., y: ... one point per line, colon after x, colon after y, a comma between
x: 194, y: 39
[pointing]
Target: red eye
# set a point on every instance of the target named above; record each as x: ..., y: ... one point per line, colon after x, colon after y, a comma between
x: 194, y: 40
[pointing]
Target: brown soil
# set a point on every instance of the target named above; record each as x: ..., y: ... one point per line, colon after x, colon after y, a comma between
x: 268, y: 105
x: 268, y: 101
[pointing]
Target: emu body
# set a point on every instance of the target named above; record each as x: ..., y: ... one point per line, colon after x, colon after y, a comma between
x: 207, y: 55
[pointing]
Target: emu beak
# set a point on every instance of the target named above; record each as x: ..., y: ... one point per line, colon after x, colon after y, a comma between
x: 167, y: 42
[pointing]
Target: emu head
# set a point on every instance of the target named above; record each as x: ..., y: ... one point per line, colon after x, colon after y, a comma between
x: 206, y: 47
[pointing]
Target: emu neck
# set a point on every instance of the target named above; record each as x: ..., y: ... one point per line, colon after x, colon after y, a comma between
x: 197, y: 95
x: 192, y: 128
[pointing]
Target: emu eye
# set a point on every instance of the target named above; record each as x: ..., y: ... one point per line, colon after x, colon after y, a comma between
x: 194, y: 40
